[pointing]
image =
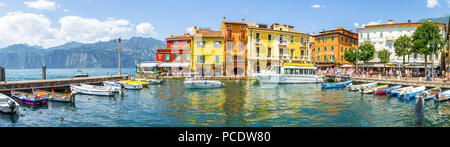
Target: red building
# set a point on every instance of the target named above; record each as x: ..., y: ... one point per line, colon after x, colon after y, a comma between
x: 176, y: 57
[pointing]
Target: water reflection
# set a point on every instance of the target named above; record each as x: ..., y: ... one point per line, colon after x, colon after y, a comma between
x: 9, y: 117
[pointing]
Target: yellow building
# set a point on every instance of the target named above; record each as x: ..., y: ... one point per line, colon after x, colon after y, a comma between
x: 207, y: 52
x: 274, y: 45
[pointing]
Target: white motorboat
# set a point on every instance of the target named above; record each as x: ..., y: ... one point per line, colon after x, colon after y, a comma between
x: 132, y: 86
x: 202, y: 83
x: 8, y: 105
x: 400, y: 92
x: 290, y: 74
x: 152, y: 81
x: 80, y: 74
x: 113, y: 86
x: 411, y: 93
x: 112, y: 89
x: 362, y: 86
x: 90, y: 90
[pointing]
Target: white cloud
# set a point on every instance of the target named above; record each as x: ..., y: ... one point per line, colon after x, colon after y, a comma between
x: 2, y: 4
x: 37, y: 29
x: 42, y: 5
x: 66, y: 10
x: 317, y: 6
x: 89, y: 30
x: 190, y: 30
x: 356, y: 24
x: 146, y: 30
x: 245, y: 12
x: 372, y: 23
x: 432, y: 3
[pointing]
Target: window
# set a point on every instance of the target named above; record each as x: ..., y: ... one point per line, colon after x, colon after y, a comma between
x: 332, y: 48
x: 324, y: 39
x: 342, y: 48
x: 257, y: 51
x: 217, y: 44
x: 318, y: 58
x: 318, y: 49
x: 167, y: 57
x: 269, y: 37
x: 200, y: 59
x: 345, y: 49
x: 229, y: 26
x: 302, y: 40
x: 325, y: 48
x: 292, y: 52
x: 325, y: 58
x: 201, y: 43
x: 342, y: 38
x: 318, y: 40
x: 178, y: 57
x: 187, y: 57
x: 257, y: 37
x: 381, y: 34
x: 302, y: 54
x: 217, y: 59
x: 342, y: 57
x: 345, y: 39
x: 242, y: 27
x: 269, y: 52
x: 292, y: 39
x: 332, y: 38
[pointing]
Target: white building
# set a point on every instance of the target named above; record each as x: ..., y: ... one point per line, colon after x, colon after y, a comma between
x: 383, y: 36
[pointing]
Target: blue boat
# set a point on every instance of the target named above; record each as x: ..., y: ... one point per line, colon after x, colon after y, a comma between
x: 413, y: 92
x: 443, y: 96
x: 337, y: 85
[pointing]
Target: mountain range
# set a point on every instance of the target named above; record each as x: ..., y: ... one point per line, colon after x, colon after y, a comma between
x: 442, y: 19
x: 80, y: 55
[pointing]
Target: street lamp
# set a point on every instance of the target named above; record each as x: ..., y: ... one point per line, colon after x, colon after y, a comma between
x: 432, y: 62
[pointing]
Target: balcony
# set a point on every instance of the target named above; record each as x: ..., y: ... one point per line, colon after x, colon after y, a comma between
x: 302, y: 44
x: 283, y: 43
x: 229, y: 37
x: 243, y: 38
x: 390, y: 38
x: 258, y: 41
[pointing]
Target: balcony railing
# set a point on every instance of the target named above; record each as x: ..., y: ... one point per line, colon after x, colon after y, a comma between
x: 229, y: 37
x: 302, y: 44
x: 283, y: 42
x: 390, y: 38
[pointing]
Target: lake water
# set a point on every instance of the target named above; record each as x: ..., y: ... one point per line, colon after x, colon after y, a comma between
x: 239, y: 103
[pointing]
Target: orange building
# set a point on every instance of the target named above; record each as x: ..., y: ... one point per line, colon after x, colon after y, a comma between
x: 330, y: 46
x: 235, y: 47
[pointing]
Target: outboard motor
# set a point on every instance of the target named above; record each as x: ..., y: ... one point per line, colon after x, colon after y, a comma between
x: 12, y: 105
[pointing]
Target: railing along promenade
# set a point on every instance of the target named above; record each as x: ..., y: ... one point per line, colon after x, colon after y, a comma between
x: 409, y: 81
x: 6, y: 86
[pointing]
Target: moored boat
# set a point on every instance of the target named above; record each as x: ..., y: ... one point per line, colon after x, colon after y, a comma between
x: 199, y: 83
x: 131, y: 86
x: 144, y: 84
x: 413, y: 92
x: 443, y: 96
x: 90, y: 91
x: 399, y: 92
x: 430, y: 93
x: 112, y: 85
x: 289, y: 73
x: 53, y: 96
x: 152, y: 81
x: 28, y: 98
x: 386, y: 90
x: 7, y: 104
x: 370, y: 90
x: 337, y: 85
x: 112, y: 89
x: 362, y: 86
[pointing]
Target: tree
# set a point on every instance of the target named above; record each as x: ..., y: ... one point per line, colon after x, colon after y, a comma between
x: 402, y: 46
x: 384, y: 56
x: 427, y: 33
x: 366, y: 52
x: 350, y: 55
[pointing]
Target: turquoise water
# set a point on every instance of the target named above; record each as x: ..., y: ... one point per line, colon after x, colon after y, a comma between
x: 244, y: 103
x: 36, y: 74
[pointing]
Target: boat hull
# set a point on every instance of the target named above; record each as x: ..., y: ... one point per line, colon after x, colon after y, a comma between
x: 51, y: 96
x: 130, y: 86
x: 288, y: 79
x: 90, y: 91
x: 337, y: 85
x: 8, y: 105
x: 29, y: 101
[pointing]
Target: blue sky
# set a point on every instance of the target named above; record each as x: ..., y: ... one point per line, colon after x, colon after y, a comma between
x: 54, y: 22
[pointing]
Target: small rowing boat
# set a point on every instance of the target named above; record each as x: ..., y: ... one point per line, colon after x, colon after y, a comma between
x: 90, y: 90
x: 28, y: 98
x: 430, y: 93
x: 362, y: 86
x: 413, y: 92
x: 152, y: 81
x: 386, y: 90
x: 131, y: 86
x: 372, y: 89
x: 337, y: 85
x: 53, y: 96
x: 7, y: 104
x: 443, y: 96
x: 399, y: 92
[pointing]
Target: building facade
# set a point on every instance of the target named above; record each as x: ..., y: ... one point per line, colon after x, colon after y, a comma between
x: 383, y: 36
x: 330, y: 46
x: 208, y: 52
x: 274, y: 45
x: 235, y: 47
x: 176, y: 57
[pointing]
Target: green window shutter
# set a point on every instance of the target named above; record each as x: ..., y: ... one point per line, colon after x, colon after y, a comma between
x: 325, y: 48
x: 217, y: 59
x: 332, y: 48
x: 342, y: 48
x: 318, y: 49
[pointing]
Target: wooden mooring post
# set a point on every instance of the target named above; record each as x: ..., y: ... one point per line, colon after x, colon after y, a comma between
x: 44, y: 73
x: 2, y: 74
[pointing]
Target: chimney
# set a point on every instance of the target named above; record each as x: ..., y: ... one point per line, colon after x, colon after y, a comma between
x: 224, y: 19
x: 391, y: 21
x: 171, y: 36
x: 195, y: 29
x: 409, y: 21
x: 243, y: 20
